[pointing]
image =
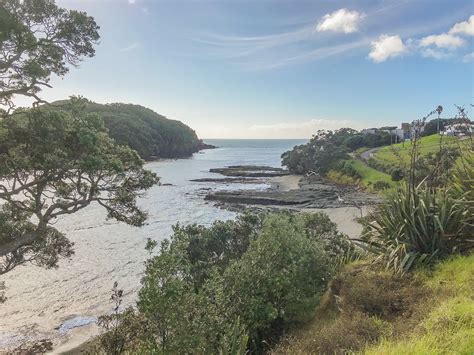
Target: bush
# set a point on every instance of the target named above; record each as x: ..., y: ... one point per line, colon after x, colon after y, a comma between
x: 348, y: 169
x: 347, y: 334
x: 378, y: 293
x: 212, y: 287
x: 417, y: 225
x: 340, y: 178
x: 396, y: 174
x: 381, y: 185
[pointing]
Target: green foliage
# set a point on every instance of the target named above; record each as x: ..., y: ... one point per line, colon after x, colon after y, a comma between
x: 417, y: 226
x: 449, y: 325
x: 339, y: 178
x: 54, y: 163
x: 348, y: 169
x: 369, y: 176
x: 328, y: 150
x: 38, y: 39
x: 381, y: 185
x: 398, y: 155
x: 319, y: 155
x: 238, y: 284
x: 150, y: 134
x: 396, y: 174
x: 362, y: 306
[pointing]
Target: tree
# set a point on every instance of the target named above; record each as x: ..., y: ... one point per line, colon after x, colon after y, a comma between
x: 37, y: 39
x: 320, y: 154
x: 248, y: 279
x: 56, y: 162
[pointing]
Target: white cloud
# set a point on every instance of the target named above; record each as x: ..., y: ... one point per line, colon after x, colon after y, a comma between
x: 465, y: 27
x: 468, y: 58
x: 342, y: 20
x: 434, y: 53
x: 387, y: 47
x: 131, y: 2
x: 443, y: 40
x: 130, y: 47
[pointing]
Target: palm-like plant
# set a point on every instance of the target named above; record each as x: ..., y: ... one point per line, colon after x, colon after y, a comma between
x: 421, y: 222
x: 418, y: 226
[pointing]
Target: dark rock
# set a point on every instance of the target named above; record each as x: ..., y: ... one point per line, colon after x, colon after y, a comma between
x: 250, y: 171
x: 315, y: 195
x: 236, y: 180
x: 203, y: 146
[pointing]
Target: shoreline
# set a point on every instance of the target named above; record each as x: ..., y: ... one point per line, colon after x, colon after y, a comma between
x: 78, y: 339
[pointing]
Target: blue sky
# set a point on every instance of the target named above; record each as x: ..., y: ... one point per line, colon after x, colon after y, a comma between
x: 278, y: 69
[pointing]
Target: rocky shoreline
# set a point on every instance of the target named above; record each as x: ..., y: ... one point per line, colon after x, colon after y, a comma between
x: 312, y: 192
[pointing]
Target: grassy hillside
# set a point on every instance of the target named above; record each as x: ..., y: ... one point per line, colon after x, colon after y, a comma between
x: 369, y: 175
x: 372, y: 311
x: 449, y: 325
x: 391, y: 155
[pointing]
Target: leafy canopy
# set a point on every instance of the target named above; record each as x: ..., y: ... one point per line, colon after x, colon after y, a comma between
x: 54, y: 163
x: 37, y: 39
x: 259, y: 273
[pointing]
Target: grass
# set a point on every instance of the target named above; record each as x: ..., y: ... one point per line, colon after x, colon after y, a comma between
x: 371, y: 311
x: 369, y: 175
x: 449, y: 327
x: 427, y: 145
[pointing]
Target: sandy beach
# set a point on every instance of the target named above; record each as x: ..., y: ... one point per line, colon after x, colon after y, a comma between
x: 344, y: 217
x: 285, y: 183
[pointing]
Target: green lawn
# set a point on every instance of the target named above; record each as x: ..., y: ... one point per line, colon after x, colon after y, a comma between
x: 392, y: 154
x: 370, y: 175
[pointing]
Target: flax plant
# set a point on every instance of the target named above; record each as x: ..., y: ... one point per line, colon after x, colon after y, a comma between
x: 421, y: 222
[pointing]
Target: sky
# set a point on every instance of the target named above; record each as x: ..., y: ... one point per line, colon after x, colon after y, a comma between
x: 278, y: 69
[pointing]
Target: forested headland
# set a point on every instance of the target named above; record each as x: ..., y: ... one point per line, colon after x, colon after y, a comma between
x: 145, y: 131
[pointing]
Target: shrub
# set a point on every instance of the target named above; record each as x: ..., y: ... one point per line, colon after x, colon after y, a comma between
x: 211, y: 289
x: 396, y: 174
x: 340, y: 178
x: 378, y: 293
x: 347, y: 334
x: 417, y: 225
x: 381, y: 185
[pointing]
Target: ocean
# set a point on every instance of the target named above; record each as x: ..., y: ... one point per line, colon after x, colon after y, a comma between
x: 49, y: 303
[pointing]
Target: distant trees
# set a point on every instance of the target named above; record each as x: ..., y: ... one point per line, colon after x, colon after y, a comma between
x: 320, y: 154
x: 150, y: 134
x: 54, y: 162
x: 327, y: 149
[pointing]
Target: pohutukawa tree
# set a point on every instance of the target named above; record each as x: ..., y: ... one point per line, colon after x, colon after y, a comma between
x: 38, y: 39
x: 54, y: 161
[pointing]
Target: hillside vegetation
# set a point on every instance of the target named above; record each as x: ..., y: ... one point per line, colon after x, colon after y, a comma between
x: 149, y: 133
x: 372, y: 311
x: 398, y: 154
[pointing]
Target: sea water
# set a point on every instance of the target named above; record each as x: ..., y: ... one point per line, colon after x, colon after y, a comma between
x: 48, y: 303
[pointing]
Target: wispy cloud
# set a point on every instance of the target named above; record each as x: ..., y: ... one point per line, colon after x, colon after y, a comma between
x: 468, y: 57
x: 302, y: 129
x: 319, y: 39
x: 130, y: 47
x: 444, y: 40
